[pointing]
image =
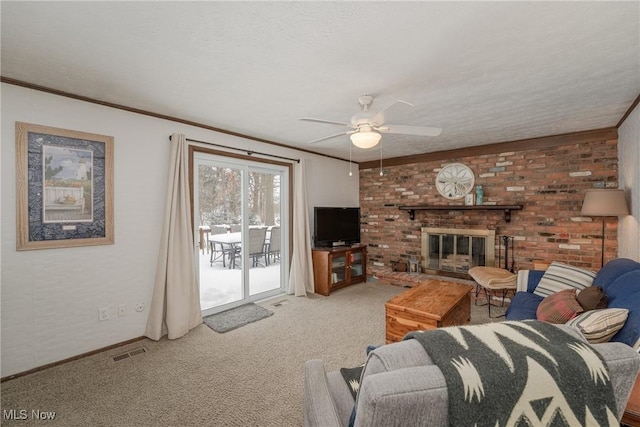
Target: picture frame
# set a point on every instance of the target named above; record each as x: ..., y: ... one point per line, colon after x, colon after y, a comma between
x: 64, y: 188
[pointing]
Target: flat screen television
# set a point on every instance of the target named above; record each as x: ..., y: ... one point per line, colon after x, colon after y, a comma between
x: 336, y: 226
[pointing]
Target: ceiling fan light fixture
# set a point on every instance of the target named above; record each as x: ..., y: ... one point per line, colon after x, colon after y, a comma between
x: 365, y: 139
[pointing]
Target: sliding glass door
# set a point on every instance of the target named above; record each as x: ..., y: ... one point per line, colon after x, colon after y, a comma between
x: 241, y: 209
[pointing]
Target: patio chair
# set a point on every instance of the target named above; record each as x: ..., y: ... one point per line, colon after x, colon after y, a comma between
x: 218, y: 251
x: 257, y: 237
x: 273, y: 246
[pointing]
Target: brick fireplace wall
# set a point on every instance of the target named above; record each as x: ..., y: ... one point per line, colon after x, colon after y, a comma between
x: 548, y: 181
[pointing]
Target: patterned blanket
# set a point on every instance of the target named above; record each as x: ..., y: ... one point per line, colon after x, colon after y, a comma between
x: 520, y: 374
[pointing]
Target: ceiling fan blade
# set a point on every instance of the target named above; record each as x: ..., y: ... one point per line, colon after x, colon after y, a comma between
x: 330, y: 122
x: 378, y: 117
x: 330, y: 136
x: 410, y: 130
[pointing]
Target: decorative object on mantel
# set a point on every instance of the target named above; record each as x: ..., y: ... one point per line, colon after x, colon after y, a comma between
x: 455, y: 181
x: 479, y: 195
x: 470, y: 199
x: 603, y: 203
x: 506, y: 208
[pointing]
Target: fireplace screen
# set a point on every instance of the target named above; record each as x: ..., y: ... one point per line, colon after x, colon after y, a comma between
x: 457, y: 251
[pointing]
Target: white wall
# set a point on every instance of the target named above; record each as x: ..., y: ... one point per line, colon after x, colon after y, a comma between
x: 629, y: 177
x: 50, y: 298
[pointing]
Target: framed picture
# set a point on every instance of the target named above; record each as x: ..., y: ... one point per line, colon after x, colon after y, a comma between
x: 64, y: 188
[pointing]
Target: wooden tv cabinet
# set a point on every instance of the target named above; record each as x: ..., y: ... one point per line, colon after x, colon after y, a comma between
x: 335, y: 268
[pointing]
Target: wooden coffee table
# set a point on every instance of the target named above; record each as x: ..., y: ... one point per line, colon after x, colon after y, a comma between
x: 431, y: 304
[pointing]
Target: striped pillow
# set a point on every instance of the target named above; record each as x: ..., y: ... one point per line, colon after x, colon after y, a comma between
x: 600, y: 325
x: 561, y: 276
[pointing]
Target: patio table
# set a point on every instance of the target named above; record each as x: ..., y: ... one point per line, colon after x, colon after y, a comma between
x: 228, y: 242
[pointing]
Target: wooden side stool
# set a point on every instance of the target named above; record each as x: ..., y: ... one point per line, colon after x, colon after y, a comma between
x: 493, y: 279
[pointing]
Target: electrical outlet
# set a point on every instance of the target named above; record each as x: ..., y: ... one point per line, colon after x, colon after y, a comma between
x: 103, y: 314
x: 122, y: 310
x: 140, y: 307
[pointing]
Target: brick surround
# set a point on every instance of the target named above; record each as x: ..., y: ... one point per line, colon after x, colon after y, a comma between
x: 549, y: 181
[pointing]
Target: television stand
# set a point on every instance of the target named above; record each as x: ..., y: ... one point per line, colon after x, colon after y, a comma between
x: 338, y: 267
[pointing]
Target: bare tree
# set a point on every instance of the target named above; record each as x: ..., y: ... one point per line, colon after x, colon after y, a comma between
x: 220, y: 196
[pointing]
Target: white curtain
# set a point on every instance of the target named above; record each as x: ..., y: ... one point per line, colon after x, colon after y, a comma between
x: 175, y: 307
x: 301, y: 272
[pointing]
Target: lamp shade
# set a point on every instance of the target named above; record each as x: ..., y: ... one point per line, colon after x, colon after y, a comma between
x: 365, y: 139
x: 604, y: 203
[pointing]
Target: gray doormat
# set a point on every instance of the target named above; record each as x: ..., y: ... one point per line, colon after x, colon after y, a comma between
x: 229, y: 320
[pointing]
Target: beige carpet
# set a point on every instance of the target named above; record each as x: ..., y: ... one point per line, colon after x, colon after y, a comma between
x: 251, y: 376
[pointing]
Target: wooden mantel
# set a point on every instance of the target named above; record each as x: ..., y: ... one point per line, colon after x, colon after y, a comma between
x: 506, y: 208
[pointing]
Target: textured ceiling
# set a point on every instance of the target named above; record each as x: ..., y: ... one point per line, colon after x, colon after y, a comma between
x: 484, y: 72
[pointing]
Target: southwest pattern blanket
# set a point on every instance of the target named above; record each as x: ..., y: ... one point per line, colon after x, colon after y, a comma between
x: 553, y: 378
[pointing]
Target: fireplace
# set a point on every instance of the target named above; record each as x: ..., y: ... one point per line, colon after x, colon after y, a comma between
x: 455, y: 251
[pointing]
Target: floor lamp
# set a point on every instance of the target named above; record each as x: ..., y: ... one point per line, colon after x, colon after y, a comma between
x: 604, y: 203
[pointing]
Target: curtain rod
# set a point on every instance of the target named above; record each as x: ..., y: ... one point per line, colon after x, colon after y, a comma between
x: 249, y: 152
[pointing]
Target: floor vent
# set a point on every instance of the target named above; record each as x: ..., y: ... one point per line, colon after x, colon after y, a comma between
x: 131, y: 353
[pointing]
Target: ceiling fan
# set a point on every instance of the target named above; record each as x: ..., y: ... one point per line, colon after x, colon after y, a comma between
x: 367, y: 127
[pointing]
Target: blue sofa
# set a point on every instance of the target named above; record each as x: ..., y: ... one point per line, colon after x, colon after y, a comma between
x: 620, y: 281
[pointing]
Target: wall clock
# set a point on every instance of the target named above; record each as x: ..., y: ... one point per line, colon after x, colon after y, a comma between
x: 454, y: 181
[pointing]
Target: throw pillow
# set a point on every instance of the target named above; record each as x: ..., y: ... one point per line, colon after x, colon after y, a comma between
x: 592, y: 298
x: 561, y: 276
x: 559, y: 307
x: 600, y: 325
